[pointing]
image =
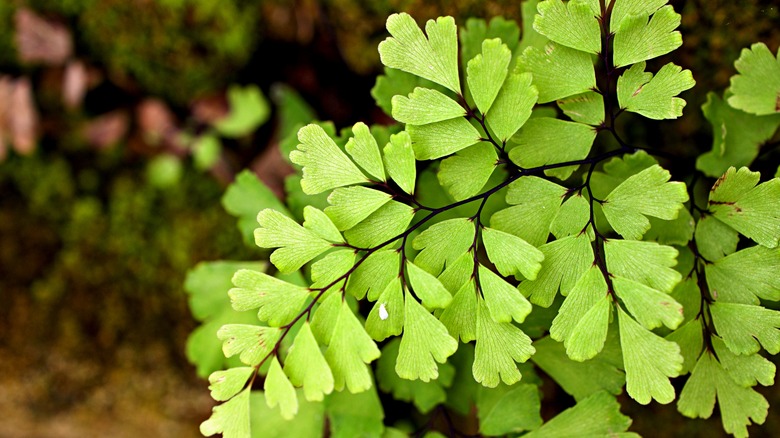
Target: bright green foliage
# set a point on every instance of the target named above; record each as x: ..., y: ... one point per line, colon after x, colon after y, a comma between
x: 648, y: 193
x: 425, y: 341
x: 465, y: 173
x: 245, y: 198
x: 654, y: 96
x: 638, y: 39
x: 248, y: 109
x: 327, y: 167
x: 558, y: 71
x: 649, y: 362
x: 487, y: 71
x: 756, y: 89
x: 751, y: 209
x: 587, y: 108
x: 564, y: 141
x: 434, y: 58
x: 484, y: 217
x: 279, y: 391
x: 231, y: 418
x: 738, y: 404
x: 572, y: 24
x: 597, y: 415
x: 306, y: 366
x: 349, y: 351
x: 745, y: 276
x: 507, y: 409
x: 737, y: 136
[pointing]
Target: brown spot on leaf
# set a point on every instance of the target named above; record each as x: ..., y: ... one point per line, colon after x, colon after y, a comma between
x: 777, y: 102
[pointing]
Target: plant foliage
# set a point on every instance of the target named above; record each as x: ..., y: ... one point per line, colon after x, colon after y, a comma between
x: 487, y: 233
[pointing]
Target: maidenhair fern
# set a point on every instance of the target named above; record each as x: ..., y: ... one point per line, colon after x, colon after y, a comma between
x: 505, y: 223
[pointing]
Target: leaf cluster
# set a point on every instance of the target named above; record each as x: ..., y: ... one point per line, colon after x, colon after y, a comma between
x: 504, y: 226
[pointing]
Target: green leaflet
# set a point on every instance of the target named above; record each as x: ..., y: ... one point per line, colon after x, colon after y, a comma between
x: 425, y: 341
x: 207, y: 283
x: 745, y: 328
x: 224, y: 384
x: 332, y: 267
x: 436, y: 140
x: 316, y: 221
x: 434, y: 58
x: 279, y: 391
x: 424, y: 106
x: 583, y: 320
x: 424, y: 395
x: 427, y: 287
x: 388, y: 221
x: 325, y: 166
x: 688, y: 294
x: 654, y: 97
x: 513, y: 106
x: 572, y: 24
x: 737, y: 136
x: 503, y: 301
x: 535, y: 203
x: 507, y: 409
x: 573, y: 215
x: 465, y: 173
x: 678, y: 231
x: 597, y: 415
x: 394, y: 82
x: 601, y: 375
x: 738, y: 404
x: 364, y: 150
x: 544, y: 140
x: 251, y: 342
x: 231, y: 418
x: 745, y: 276
x: 374, y: 274
x: 387, y: 316
x: 268, y: 423
x: 650, y: 307
x: 307, y: 367
x: 499, y: 345
x: 349, y: 351
x: 486, y: 73
x: 277, y: 301
x: 477, y: 30
x: 648, y: 193
x: 756, y: 89
x: 353, y: 415
x: 325, y: 316
x: 558, y: 71
x: 587, y: 107
x: 245, y: 197
x: 748, y: 370
x: 649, y: 362
x: 691, y: 341
x: 753, y: 210
x: 645, y: 262
x: 531, y: 38
x: 400, y: 162
x: 442, y: 243
x: 639, y: 40
x: 351, y: 205
x: 297, y: 245
x: 511, y: 254
x: 248, y: 110
x: 625, y: 8
x: 460, y: 317
x: 565, y: 260
x: 458, y: 273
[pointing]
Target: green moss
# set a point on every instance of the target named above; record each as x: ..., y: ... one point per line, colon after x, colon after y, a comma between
x: 177, y: 49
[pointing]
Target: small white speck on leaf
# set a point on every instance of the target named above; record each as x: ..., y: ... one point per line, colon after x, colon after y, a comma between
x: 383, y: 312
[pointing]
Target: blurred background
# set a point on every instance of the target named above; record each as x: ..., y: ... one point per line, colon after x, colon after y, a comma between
x: 121, y: 123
